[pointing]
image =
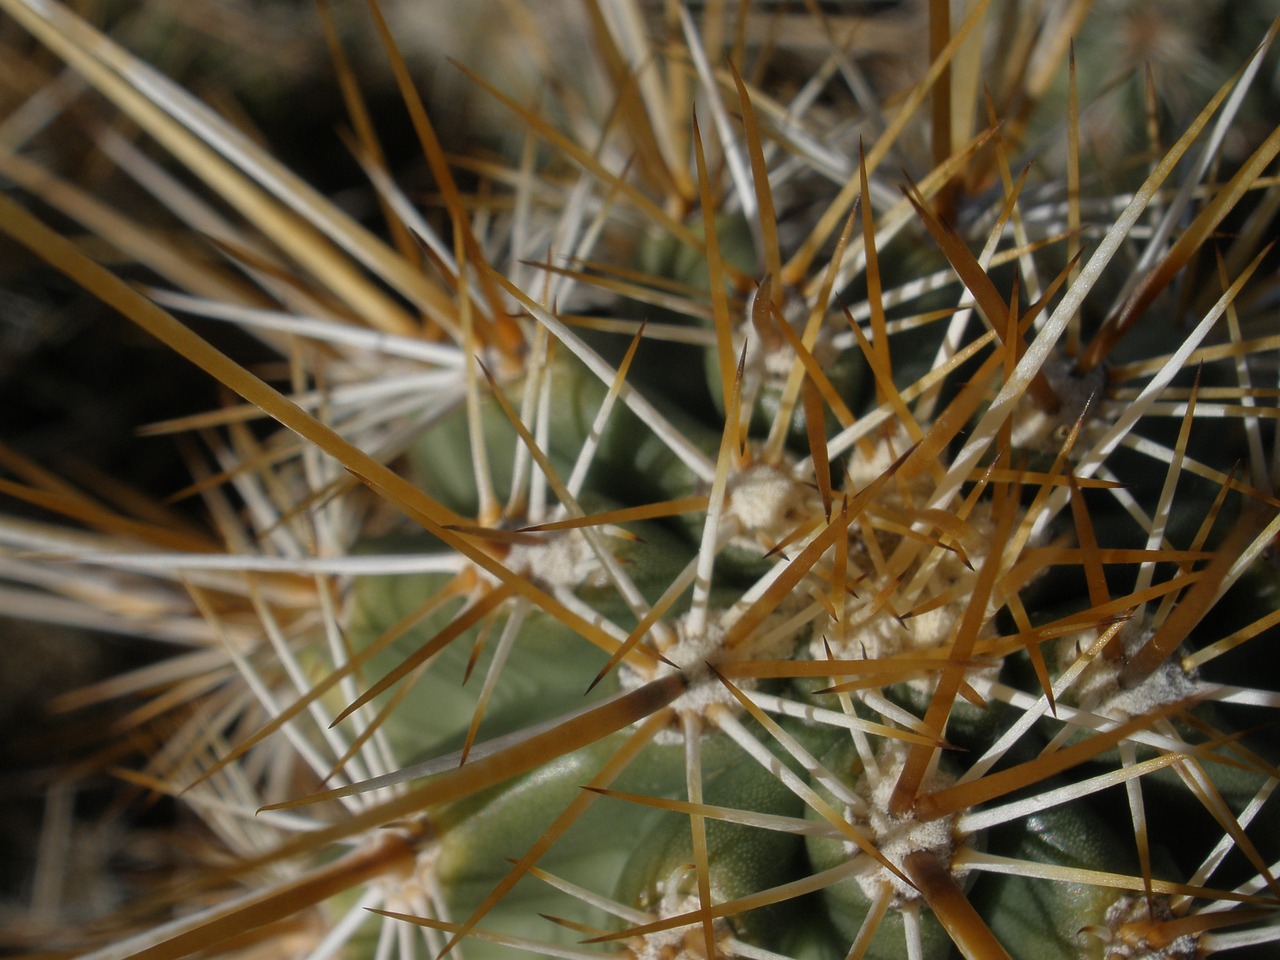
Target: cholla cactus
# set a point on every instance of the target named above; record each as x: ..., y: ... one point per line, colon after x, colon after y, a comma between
x: 755, y: 519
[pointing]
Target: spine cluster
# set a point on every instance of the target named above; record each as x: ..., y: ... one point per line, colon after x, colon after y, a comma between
x: 773, y: 510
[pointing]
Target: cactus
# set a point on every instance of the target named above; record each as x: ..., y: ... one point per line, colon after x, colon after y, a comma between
x: 754, y: 517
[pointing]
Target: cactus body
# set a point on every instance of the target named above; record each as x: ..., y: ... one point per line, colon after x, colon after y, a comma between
x: 693, y: 537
